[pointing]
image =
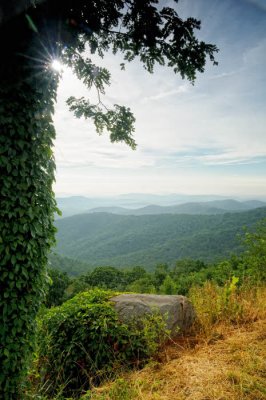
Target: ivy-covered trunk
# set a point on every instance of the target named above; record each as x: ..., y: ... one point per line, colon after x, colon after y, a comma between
x: 27, y: 207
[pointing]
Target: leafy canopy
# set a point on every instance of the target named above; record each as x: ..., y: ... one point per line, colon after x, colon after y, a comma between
x: 142, y: 29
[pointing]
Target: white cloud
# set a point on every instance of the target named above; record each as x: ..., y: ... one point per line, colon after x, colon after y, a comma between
x: 224, y: 75
x: 217, y: 122
x: 229, y: 158
x: 161, y: 95
x: 255, y: 56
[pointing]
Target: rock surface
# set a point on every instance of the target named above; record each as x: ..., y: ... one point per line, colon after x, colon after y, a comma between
x: 178, y: 310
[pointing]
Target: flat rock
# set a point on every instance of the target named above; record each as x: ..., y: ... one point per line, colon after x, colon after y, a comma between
x: 177, y: 310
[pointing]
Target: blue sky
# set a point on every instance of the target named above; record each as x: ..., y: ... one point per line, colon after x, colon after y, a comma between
x: 209, y: 138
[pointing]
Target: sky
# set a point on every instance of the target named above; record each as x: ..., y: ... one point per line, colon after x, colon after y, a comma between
x: 206, y: 138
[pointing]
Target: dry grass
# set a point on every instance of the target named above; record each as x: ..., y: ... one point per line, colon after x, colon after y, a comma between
x: 224, y: 360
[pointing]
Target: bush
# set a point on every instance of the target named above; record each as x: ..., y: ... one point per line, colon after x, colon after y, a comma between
x: 82, y: 342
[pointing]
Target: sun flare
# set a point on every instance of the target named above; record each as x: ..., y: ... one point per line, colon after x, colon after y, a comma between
x: 57, y: 65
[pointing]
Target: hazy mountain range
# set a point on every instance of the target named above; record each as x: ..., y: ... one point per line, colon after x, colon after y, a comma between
x: 210, y: 207
x: 142, y: 204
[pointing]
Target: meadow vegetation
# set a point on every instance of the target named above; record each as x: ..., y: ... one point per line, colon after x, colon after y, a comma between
x: 223, y: 358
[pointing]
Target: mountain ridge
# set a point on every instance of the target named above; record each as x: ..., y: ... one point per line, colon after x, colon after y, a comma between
x: 77, y: 205
x: 208, y: 207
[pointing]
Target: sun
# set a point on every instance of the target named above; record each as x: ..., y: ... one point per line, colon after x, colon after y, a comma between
x: 57, y: 65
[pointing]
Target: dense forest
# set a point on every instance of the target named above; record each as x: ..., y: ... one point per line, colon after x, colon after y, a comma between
x: 125, y: 241
x: 164, y: 278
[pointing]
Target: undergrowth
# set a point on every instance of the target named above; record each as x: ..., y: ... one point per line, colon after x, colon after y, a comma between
x: 228, y: 306
x: 82, y: 342
x: 223, y: 358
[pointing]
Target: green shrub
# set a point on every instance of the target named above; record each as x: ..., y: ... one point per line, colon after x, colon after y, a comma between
x: 82, y: 342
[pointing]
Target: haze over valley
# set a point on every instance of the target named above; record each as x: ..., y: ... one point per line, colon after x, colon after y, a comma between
x: 141, y: 204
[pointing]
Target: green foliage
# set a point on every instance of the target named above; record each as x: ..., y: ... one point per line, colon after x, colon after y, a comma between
x: 106, y: 278
x: 255, y: 257
x: 82, y: 341
x: 160, y: 273
x: 227, y: 304
x: 64, y: 264
x: 187, y: 265
x: 218, y: 273
x: 218, y: 293
x: 59, y: 281
x: 120, y: 390
x: 135, y: 279
x: 142, y: 285
x: 154, y: 36
x: 215, y: 304
x: 168, y: 286
x: 250, y: 265
x: 26, y: 218
x: 132, y: 274
x: 119, y: 122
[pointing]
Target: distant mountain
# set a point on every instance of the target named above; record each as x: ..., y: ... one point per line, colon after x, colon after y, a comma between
x: 187, y: 208
x: 142, y: 204
x: 75, y: 204
x: 254, y: 203
x: 203, y: 208
x: 121, y: 240
x: 235, y: 205
x: 114, y: 210
x: 78, y: 204
x: 137, y: 200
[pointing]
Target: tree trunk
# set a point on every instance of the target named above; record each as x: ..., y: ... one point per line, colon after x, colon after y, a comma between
x: 27, y: 206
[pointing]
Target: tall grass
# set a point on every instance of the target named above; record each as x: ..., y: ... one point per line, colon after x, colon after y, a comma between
x: 227, y: 305
x: 222, y: 359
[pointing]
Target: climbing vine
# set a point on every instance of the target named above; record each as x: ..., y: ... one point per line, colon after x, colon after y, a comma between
x: 26, y: 219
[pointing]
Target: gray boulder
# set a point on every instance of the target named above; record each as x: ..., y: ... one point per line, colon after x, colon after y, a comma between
x: 178, y: 310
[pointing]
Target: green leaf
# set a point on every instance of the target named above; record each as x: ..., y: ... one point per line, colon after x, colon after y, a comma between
x: 6, y: 352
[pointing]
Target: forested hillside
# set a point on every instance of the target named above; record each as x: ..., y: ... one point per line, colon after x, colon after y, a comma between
x: 117, y: 240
